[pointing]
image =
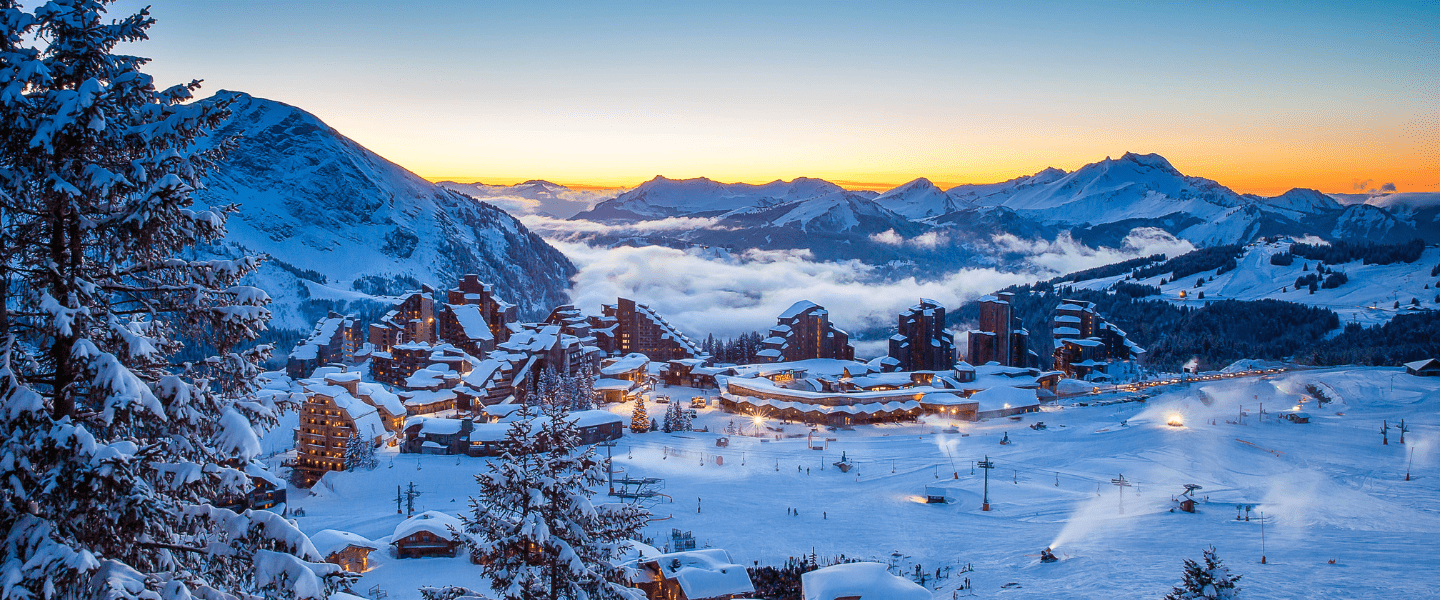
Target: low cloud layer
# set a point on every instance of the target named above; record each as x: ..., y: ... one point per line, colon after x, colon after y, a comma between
x: 561, y: 229
x: 1066, y: 255
x: 704, y: 292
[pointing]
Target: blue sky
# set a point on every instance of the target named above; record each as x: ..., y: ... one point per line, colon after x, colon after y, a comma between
x: 1261, y: 96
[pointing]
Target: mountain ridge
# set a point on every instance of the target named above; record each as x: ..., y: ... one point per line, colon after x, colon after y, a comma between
x: 344, y: 224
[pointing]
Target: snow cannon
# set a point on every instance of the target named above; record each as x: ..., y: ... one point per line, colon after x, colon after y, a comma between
x: 1046, y: 556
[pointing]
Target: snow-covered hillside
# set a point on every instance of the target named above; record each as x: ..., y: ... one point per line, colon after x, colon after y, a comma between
x: 1368, y: 297
x: 342, y: 223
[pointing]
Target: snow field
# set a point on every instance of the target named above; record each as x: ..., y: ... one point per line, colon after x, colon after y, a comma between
x: 1368, y: 298
x: 1328, y: 489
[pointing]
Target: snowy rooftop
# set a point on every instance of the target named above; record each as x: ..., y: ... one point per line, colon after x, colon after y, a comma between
x: 1421, y: 364
x: 435, y: 425
x: 435, y: 522
x: 381, y: 397
x: 707, y: 573
x: 629, y: 363
x: 330, y: 541
x: 862, y: 581
x: 797, y: 308
x: 426, y: 397
x: 610, y: 385
x: 471, y: 321
x: 999, y: 398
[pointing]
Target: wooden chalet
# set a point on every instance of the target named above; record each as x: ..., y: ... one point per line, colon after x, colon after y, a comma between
x: 431, y: 533
x: 707, y: 574
x: 434, y: 435
x: 349, y: 550
x: 1424, y: 368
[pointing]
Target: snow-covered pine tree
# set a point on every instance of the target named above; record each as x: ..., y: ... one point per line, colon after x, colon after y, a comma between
x: 584, y: 398
x: 1211, y: 582
x: 682, y: 420
x: 360, y: 454
x: 534, y: 526
x: 639, y: 421
x: 547, y: 384
x: 352, y: 452
x: 114, y: 455
x: 449, y: 592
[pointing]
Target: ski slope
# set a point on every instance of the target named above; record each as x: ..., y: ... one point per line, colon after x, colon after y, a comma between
x: 1328, y: 489
x: 1368, y: 298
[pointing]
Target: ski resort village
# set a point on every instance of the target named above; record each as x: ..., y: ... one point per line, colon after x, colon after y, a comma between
x: 836, y: 301
x: 1001, y: 464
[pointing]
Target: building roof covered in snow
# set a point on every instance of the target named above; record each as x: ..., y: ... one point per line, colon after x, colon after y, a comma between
x: 435, y: 425
x: 435, y: 522
x: 381, y: 397
x: 859, y: 581
x: 707, y: 573
x: 629, y: 363
x: 607, y: 384
x: 797, y: 308
x: 1000, y: 398
x: 471, y: 321
x: 330, y: 541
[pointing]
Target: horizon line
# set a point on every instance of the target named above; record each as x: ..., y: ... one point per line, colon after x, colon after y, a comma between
x: 846, y: 184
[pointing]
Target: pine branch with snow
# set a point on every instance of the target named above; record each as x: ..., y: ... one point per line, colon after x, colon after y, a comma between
x: 114, y: 454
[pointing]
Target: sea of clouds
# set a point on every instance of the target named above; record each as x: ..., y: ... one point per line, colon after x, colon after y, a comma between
x: 705, y: 291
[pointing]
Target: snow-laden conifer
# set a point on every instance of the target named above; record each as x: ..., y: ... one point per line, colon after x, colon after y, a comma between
x: 534, y: 526
x: 114, y: 453
x: 1213, y: 581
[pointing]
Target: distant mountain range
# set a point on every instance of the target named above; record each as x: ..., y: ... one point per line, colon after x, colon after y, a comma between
x: 920, y: 224
x: 341, y: 224
x: 534, y: 197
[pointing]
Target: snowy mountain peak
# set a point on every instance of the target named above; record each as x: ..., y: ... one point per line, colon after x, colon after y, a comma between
x: 1302, y: 200
x: 341, y: 222
x: 1154, y: 161
x: 918, y: 199
x: 662, y: 197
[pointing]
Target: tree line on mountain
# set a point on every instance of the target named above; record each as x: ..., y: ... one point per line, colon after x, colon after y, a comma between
x: 1403, y: 339
x: 1216, y: 333
x: 1110, y: 270
x: 1369, y: 253
x: 1197, y: 261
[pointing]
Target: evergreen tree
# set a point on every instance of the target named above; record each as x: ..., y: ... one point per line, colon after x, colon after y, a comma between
x: 360, y: 454
x: 534, y: 526
x: 668, y: 425
x: 683, y: 421
x: 1212, y: 582
x: 639, y: 421
x: 583, y: 397
x: 114, y: 453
